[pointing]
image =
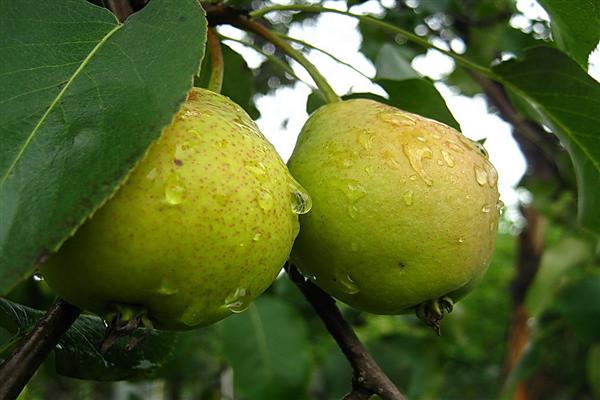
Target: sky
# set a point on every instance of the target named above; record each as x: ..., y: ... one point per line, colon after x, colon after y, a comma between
x: 284, y: 112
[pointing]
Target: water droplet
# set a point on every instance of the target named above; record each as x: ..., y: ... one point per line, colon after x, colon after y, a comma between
x: 461, y: 240
x: 448, y: 158
x: 166, y: 288
x: 421, y: 139
x: 301, y: 201
x: 368, y: 171
x: 500, y: 207
x: 481, y: 149
x: 152, y: 174
x: 492, y: 175
x: 264, y: 199
x: 492, y: 226
x: 174, y: 189
x: 467, y: 143
x: 189, y: 114
x: 195, y: 132
x: 346, y: 283
x: 412, y: 177
x: 480, y: 175
x: 258, y: 169
x: 397, y: 117
x: 256, y: 237
x: 408, y: 197
x: 355, y: 191
x: 416, y: 154
x: 365, y: 138
x: 455, y: 147
x: 38, y: 277
x: 238, y: 301
x: 486, y: 208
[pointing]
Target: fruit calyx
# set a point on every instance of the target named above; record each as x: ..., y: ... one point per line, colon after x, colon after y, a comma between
x: 432, y: 311
x: 123, y: 321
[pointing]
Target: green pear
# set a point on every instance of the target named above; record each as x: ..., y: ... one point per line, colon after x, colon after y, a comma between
x: 405, y: 209
x: 202, y: 225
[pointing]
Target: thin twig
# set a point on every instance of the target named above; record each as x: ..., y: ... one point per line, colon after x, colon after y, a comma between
x: 26, y: 358
x: 368, y: 378
x: 215, y: 83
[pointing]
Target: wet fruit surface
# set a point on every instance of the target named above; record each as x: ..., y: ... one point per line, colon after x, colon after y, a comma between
x: 200, y: 228
x: 405, y: 209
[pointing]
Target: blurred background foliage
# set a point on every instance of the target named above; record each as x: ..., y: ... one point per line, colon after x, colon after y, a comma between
x: 530, y: 331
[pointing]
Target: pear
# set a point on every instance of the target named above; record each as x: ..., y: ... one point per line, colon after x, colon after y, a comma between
x: 405, y: 209
x: 201, y: 227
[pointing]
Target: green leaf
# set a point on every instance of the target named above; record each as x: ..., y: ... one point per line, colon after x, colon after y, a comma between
x: 581, y: 309
x: 575, y: 26
x: 556, y: 262
x: 593, y: 369
x: 77, y: 353
x: 391, y: 64
x: 570, y: 100
x: 82, y: 98
x: 266, y: 346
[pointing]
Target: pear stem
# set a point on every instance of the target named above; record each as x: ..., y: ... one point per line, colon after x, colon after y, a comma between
x: 247, y: 24
x: 377, y: 22
x: 215, y: 82
x: 368, y: 377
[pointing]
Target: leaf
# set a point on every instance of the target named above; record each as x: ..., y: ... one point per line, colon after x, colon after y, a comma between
x: 580, y: 308
x: 266, y: 346
x: 77, y: 354
x: 556, y: 262
x: 83, y: 97
x: 575, y: 26
x: 593, y: 369
x: 570, y: 100
x: 391, y: 64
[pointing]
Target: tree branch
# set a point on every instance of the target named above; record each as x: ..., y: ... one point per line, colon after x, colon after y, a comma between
x: 26, y: 358
x: 368, y: 378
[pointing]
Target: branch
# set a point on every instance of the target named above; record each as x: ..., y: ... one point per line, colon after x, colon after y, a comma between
x: 368, y: 378
x: 26, y: 358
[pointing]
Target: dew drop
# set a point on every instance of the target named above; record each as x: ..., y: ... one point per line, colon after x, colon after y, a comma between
x: 174, y: 189
x: 355, y: 191
x: 448, y: 158
x: 480, y: 175
x: 264, y: 199
x: 152, y: 174
x: 38, y: 277
x: 195, y: 132
x: 407, y: 197
x: 300, y: 199
x: 492, y: 175
x: 486, y: 208
x: 238, y: 301
x: 365, y: 138
x: 346, y: 283
x: 412, y: 177
x: 189, y: 114
x: 258, y: 169
x: 461, y: 240
x: 397, y: 118
x: 455, y: 147
x: 416, y: 154
x: 421, y: 139
x: 256, y: 237
x: 499, y: 207
x: 166, y: 289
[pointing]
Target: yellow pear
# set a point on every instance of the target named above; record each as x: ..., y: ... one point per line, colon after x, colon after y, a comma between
x: 405, y: 209
x: 202, y: 225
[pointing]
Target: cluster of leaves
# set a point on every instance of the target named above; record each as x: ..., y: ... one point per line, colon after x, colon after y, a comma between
x: 77, y: 90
